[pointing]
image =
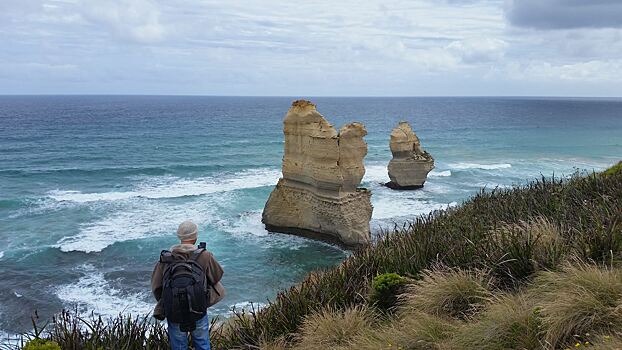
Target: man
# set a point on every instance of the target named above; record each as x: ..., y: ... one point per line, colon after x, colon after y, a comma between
x: 203, y: 262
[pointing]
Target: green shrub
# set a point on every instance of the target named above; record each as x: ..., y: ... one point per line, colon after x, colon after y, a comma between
x: 385, y: 289
x: 40, y: 344
x: 616, y: 169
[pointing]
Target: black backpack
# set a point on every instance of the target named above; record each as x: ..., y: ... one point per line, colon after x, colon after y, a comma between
x: 185, y: 292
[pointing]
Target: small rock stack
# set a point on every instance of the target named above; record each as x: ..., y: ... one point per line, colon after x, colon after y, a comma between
x: 410, y: 165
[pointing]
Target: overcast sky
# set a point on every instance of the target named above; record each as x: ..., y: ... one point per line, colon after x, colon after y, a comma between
x: 312, y: 48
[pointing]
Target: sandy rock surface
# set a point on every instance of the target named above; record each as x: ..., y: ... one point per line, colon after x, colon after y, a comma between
x: 318, y: 195
x: 411, y: 164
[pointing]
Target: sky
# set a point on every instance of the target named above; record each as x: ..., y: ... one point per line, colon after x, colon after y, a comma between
x: 312, y: 48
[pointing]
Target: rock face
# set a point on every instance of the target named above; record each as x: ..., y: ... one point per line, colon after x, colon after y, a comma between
x: 410, y: 165
x: 318, y: 195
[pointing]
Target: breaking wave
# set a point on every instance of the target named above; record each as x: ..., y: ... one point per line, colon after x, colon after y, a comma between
x: 172, y: 187
x: 92, y: 293
x: 463, y: 166
x: 444, y: 173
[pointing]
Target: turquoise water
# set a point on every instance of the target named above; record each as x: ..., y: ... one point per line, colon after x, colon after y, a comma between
x: 92, y: 188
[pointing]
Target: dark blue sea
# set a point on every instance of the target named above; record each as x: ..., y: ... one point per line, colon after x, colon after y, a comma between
x: 93, y: 187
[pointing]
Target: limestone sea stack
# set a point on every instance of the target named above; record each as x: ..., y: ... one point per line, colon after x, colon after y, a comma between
x: 410, y: 165
x: 318, y: 195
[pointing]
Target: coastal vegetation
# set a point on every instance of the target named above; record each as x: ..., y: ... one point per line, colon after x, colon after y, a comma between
x: 530, y: 267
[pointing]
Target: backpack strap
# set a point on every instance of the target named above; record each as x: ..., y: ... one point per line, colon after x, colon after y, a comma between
x: 195, y: 255
x: 166, y: 257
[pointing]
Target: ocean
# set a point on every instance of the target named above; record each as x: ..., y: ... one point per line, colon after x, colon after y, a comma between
x: 92, y: 188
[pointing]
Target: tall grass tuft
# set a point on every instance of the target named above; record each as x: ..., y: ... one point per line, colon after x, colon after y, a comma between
x: 527, y: 246
x: 512, y: 322
x: 581, y: 299
x: 330, y: 328
x: 414, y: 331
x: 607, y: 342
x: 448, y: 292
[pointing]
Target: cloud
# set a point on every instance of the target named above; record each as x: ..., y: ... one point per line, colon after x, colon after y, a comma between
x: 478, y: 50
x: 376, y: 47
x: 133, y: 20
x: 564, y: 14
x: 590, y: 71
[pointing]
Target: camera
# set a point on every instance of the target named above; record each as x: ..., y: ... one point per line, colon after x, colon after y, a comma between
x: 202, y: 245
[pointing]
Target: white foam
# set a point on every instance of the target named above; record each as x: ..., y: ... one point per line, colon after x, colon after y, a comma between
x: 246, y: 306
x: 376, y: 173
x: 444, y: 173
x: 92, y: 293
x: 173, y: 187
x: 462, y: 166
x: 17, y: 294
x: 11, y: 340
x: 401, y: 205
x: 141, y: 219
x: 247, y: 223
x: 379, y: 174
x: 1, y: 254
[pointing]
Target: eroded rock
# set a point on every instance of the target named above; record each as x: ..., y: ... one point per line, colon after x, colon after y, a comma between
x: 411, y: 164
x: 318, y: 195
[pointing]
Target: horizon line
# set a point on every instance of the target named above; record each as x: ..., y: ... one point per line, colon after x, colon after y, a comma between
x: 318, y: 96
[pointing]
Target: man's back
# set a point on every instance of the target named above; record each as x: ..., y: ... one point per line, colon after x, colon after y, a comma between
x: 212, y: 269
x: 202, y: 270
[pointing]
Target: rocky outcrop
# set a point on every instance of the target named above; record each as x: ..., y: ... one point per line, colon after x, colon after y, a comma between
x: 318, y: 195
x: 410, y: 165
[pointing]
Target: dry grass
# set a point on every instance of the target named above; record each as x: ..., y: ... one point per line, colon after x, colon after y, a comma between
x: 278, y: 344
x: 607, y: 342
x: 452, y: 309
x: 580, y: 299
x: 415, y: 331
x: 510, y: 323
x: 334, y: 329
x: 448, y: 292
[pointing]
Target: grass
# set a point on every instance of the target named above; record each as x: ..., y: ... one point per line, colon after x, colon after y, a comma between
x: 577, y: 217
x: 581, y: 299
x: 502, y: 241
x: 512, y: 322
x: 332, y: 329
x: 451, y: 293
x: 410, y: 331
x: 578, y: 306
x: 73, y: 332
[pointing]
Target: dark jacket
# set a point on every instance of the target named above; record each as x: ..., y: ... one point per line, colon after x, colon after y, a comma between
x: 213, y: 272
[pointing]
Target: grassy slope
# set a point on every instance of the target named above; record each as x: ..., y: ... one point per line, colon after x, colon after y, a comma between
x: 587, y: 210
x: 577, y: 306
